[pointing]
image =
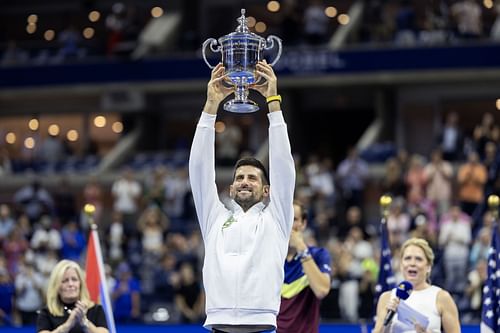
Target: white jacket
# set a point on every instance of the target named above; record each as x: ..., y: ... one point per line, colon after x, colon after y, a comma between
x: 244, y: 251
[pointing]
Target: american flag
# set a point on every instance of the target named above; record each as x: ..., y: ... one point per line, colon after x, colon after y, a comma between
x: 490, y: 316
x: 386, y: 280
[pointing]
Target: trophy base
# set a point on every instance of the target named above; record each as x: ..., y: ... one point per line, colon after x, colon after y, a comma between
x: 238, y: 106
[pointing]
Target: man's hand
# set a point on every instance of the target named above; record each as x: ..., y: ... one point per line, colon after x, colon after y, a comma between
x: 216, y: 91
x: 297, y: 241
x: 270, y: 86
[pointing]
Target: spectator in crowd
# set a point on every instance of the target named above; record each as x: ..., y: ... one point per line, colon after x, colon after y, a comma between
x: 495, y: 29
x: 492, y: 164
x: 166, y: 279
x: 352, y: 173
x: 68, y: 305
x: 417, y: 259
x: 116, y: 239
x: 480, y: 247
x: 34, y: 200
x: 471, y: 179
x: 126, y: 296
x: 13, y: 55
x: 474, y: 291
x: 14, y: 248
x: 455, y: 238
x: 51, y: 150
x: 189, y: 296
x: 315, y: 23
x: 467, y: 15
x: 30, y: 287
x: 70, y: 41
x: 398, y: 223
x: 406, y: 25
x: 46, y: 239
x: 483, y: 132
x: 73, y: 242
x: 439, y: 175
x: 415, y: 180
x: 392, y: 181
x: 7, y: 293
x: 126, y: 192
x: 7, y: 222
x: 450, y: 139
x: 5, y: 162
x: 307, y: 280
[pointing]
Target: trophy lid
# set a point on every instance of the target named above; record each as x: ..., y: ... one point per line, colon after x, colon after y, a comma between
x: 242, y: 31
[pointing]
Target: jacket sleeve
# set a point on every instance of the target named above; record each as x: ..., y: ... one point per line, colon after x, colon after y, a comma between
x: 202, y: 172
x: 281, y: 172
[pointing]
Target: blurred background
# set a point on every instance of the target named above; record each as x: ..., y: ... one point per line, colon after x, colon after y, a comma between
x: 99, y: 101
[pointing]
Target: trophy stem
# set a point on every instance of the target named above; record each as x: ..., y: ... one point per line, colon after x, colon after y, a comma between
x: 241, y: 93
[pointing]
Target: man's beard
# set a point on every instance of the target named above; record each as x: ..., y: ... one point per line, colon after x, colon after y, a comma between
x: 246, y: 202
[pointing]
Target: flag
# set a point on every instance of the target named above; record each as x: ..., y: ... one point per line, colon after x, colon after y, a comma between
x: 96, y: 279
x: 490, y: 314
x: 386, y: 280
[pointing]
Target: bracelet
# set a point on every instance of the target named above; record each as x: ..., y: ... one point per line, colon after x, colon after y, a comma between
x: 306, y: 259
x: 304, y: 255
x: 273, y: 98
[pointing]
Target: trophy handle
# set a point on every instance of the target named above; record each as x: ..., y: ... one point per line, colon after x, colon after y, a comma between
x: 212, y: 42
x: 270, y: 44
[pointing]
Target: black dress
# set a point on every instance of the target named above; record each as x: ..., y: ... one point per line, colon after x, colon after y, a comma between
x: 49, y: 322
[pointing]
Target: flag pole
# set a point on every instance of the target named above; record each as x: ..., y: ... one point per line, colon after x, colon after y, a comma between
x: 385, y: 203
x: 385, y: 279
x: 490, y: 312
x: 95, y: 275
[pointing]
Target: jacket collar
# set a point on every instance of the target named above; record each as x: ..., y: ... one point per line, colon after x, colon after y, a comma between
x: 236, y: 208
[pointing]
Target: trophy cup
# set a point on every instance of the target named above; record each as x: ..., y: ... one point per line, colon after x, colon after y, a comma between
x: 241, y: 50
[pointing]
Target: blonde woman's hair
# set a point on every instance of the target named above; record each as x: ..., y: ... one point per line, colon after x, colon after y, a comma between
x: 421, y: 243
x: 54, y: 303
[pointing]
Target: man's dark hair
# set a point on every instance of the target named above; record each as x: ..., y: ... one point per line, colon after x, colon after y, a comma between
x: 255, y: 163
x: 303, y: 210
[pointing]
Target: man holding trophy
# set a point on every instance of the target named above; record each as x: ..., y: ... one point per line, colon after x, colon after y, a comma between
x: 246, y: 245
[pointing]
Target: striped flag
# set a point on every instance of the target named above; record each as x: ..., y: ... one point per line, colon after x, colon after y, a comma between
x: 490, y: 315
x: 386, y: 280
x: 96, y: 279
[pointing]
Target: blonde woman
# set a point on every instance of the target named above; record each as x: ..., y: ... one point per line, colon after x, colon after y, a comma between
x: 69, y: 308
x: 431, y: 301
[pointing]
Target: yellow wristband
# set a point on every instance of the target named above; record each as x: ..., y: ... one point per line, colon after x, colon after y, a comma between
x: 273, y: 98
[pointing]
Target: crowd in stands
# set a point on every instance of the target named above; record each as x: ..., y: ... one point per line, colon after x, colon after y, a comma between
x: 298, y: 23
x: 154, y: 252
x: 428, y: 23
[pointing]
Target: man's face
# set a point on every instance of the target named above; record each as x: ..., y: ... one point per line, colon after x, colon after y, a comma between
x: 247, y: 188
x: 299, y: 224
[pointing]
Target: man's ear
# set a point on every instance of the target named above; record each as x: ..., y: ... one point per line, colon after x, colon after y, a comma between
x: 231, y: 191
x: 266, y: 190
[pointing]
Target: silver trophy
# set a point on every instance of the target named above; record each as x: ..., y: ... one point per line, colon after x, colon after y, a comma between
x: 241, y: 50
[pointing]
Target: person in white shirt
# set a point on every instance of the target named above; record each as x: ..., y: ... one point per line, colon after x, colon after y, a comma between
x: 434, y: 303
x: 246, y: 245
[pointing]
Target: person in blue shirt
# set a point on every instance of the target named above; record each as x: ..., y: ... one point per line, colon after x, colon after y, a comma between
x: 307, y: 280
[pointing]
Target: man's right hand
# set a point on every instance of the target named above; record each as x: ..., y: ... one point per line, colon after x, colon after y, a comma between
x: 216, y: 91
